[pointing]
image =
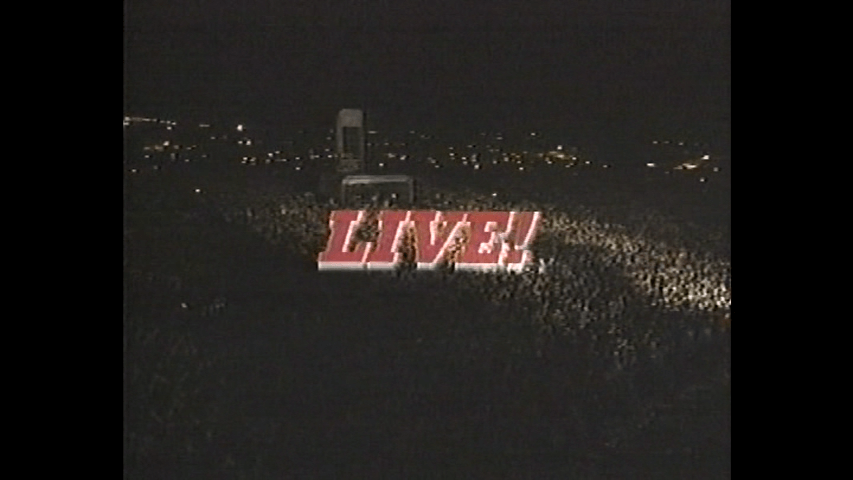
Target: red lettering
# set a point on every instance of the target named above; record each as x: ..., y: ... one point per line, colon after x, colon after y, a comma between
x: 434, y: 233
x: 523, y: 227
x: 484, y: 247
x: 337, y: 255
x: 392, y: 228
x: 474, y: 240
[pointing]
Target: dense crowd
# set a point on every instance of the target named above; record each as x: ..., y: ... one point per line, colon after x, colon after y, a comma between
x: 590, y: 278
x: 629, y: 317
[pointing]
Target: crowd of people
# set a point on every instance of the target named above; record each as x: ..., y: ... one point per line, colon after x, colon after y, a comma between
x: 619, y: 317
x: 591, y: 278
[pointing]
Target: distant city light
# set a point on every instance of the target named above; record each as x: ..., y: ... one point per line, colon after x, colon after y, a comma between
x: 239, y: 128
x: 559, y: 147
x: 716, y: 169
x: 650, y: 164
x: 702, y: 179
x: 197, y: 190
x: 706, y: 157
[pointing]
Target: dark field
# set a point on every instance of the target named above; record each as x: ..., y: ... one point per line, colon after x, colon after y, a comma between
x: 242, y: 361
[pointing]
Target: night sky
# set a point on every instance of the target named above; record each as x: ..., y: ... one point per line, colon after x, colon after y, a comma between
x: 595, y: 69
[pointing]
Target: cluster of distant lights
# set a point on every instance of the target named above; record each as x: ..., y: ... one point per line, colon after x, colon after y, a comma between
x: 689, y: 165
x: 557, y: 156
x: 514, y: 158
x: 166, y: 145
x: 519, y: 160
x: 128, y: 120
x: 680, y: 143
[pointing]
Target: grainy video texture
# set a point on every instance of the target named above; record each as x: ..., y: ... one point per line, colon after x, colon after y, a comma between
x: 609, y: 356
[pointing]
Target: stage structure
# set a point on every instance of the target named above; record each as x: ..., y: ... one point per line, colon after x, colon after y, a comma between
x: 350, y: 141
x: 378, y: 190
x: 356, y: 187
